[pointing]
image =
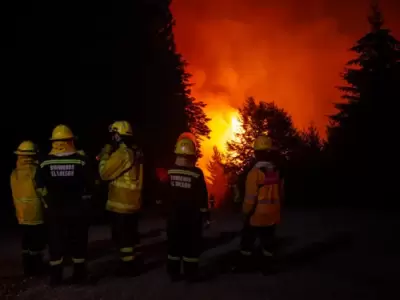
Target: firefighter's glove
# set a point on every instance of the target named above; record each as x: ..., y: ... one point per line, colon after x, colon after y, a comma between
x: 105, y: 152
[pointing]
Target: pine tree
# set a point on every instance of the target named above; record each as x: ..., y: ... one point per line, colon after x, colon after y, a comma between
x: 372, y: 78
x: 215, y: 163
x: 311, y: 139
x: 152, y: 74
x: 218, y: 182
x: 198, y: 121
x: 362, y: 131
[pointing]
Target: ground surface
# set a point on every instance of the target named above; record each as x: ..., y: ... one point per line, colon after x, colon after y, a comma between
x: 326, y: 254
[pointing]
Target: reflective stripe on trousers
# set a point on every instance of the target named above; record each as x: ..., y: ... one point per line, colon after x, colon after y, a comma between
x: 56, y: 262
x: 191, y: 259
x: 174, y: 258
x: 246, y: 253
x: 267, y: 253
x: 184, y: 258
x: 30, y: 252
x: 118, y: 205
x: 127, y: 254
x: 78, y: 260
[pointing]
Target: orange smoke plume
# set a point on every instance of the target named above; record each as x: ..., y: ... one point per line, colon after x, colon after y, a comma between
x: 291, y: 52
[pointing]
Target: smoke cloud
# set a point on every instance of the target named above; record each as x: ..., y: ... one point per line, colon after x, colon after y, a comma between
x: 291, y: 52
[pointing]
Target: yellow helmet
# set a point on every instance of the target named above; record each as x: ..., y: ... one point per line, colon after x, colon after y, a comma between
x: 185, y: 146
x: 26, y: 148
x: 121, y: 127
x: 61, y: 132
x: 263, y: 142
x: 188, y: 135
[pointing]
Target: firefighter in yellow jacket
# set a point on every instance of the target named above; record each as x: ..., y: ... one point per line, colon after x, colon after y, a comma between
x: 121, y: 164
x: 28, y: 208
x: 262, y: 204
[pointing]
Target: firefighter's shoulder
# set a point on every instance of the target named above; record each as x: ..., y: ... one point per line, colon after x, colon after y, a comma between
x: 254, y: 173
x: 192, y: 172
x: 198, y: 171
x: 75, y: 159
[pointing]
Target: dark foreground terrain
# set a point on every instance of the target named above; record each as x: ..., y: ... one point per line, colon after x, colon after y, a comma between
x: 325, y: 254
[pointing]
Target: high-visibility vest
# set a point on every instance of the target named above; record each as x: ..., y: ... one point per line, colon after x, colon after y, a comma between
x: 263, y: 197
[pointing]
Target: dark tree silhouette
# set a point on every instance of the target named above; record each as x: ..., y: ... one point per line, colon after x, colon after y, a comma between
x: 372, y: 85
x: 311, y: 139
x: 159, y: 83
x: 261, y: 118
x: 218, y: 183
x: 58, y: 71
x: 197, y: 121
x: 367, y: 113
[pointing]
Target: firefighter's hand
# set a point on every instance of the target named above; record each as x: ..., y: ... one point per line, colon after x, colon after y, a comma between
x: 207, y: 224
x: 158, y: 202
x: 107, y: 149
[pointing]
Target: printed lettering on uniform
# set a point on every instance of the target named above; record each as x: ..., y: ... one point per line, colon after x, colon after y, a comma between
x: 181, y: 181
x: 62, y: 170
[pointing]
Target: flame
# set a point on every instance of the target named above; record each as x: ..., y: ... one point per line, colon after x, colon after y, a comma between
x: 225, y: 124
x: 271, y: 50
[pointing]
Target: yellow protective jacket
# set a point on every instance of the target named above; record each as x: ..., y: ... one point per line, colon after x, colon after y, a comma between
x: 124, y: 169
x: 27, y: 201
x: 262, y: 203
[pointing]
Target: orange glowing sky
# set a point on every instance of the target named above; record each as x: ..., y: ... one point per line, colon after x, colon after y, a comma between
x: 288, y: 51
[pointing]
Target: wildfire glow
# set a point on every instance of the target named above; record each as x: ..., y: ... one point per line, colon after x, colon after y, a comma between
x: 271, y: 50
x: 225, y: 124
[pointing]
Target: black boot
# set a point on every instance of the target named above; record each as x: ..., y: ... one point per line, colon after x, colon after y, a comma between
x: 79, y: 275
x: 174, y: 270
x: 268, y: 266
x: 56, y: 275
x: 38, y: 266
x: 243, y: 264
x: 27, y: 264
x: 191, y: 271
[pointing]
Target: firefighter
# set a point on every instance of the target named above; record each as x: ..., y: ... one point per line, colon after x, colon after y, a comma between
x: 187, y: 199
x: 262, y: 203
x: 121, y: 164
x: 28, y: 206
x: 67, y: 177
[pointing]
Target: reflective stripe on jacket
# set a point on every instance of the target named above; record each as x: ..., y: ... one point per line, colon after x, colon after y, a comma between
x: 124, y: 169
x: 27, y: 201
x: 263, y: 195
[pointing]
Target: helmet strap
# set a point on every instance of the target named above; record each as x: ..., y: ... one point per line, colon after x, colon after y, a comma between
x: 116, y: 137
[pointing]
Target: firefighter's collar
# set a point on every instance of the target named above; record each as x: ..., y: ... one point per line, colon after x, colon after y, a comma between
x: 64, y: 153
x: 263, y: 164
